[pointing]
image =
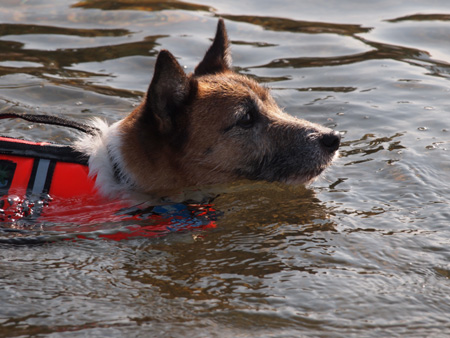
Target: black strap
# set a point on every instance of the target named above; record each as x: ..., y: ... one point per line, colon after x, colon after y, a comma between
x: 50, y: 151
x: 53, y: 120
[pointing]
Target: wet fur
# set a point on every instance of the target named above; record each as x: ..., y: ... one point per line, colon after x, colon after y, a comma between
x: 209, y: 127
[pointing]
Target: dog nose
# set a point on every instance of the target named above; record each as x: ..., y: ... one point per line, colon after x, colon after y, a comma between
x: 331, y: 141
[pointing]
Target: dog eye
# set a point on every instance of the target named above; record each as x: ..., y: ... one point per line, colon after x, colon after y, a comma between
x: 247, y: 120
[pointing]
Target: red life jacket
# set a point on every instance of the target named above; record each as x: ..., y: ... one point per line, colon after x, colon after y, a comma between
x: 41, y: 182
x: 35, y: 168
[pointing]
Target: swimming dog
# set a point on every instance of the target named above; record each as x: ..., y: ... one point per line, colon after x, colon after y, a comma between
x: 212, y: 126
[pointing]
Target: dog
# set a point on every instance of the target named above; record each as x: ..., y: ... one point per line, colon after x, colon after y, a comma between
x: 213, y: 126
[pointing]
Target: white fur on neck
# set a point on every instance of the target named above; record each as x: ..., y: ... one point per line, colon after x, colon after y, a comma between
x: 103, y: 150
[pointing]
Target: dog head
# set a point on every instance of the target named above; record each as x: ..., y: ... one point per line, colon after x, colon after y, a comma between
x: 216, y: 126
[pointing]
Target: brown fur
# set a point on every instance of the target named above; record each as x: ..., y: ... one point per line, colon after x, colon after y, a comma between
x: 217, y: 126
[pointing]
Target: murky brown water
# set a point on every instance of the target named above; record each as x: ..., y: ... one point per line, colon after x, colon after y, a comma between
x: 364, y: 252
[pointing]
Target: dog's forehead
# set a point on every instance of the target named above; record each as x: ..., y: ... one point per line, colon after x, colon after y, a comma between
x: 232, y: 85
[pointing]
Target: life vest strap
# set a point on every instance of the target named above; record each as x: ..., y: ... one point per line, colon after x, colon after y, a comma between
x: 45, y: 150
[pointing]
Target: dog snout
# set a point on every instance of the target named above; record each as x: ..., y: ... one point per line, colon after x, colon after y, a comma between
x: 331, y: 141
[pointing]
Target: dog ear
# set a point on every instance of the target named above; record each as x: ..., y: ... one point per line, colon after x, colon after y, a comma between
x: 218, y: 58
x: 167, y: 91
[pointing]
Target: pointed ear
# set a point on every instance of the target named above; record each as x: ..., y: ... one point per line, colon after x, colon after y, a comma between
x: 218, y: 58
x: 167, y: 92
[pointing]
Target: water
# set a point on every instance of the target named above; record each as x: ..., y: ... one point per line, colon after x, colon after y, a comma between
x: 364, y: 252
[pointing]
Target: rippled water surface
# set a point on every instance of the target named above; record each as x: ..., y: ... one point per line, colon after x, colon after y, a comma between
x: 363, y: 252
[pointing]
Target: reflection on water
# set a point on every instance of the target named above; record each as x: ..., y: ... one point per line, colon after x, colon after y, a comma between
x: 370, y: 144
x: 148, y: 5
x: 265, y: 205
x: 51, y: 62
x: 363, y: 252
x: 295, y: 26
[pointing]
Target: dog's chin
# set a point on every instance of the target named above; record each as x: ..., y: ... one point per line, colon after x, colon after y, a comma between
x: 311, y: 176
x: 303, y: 179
